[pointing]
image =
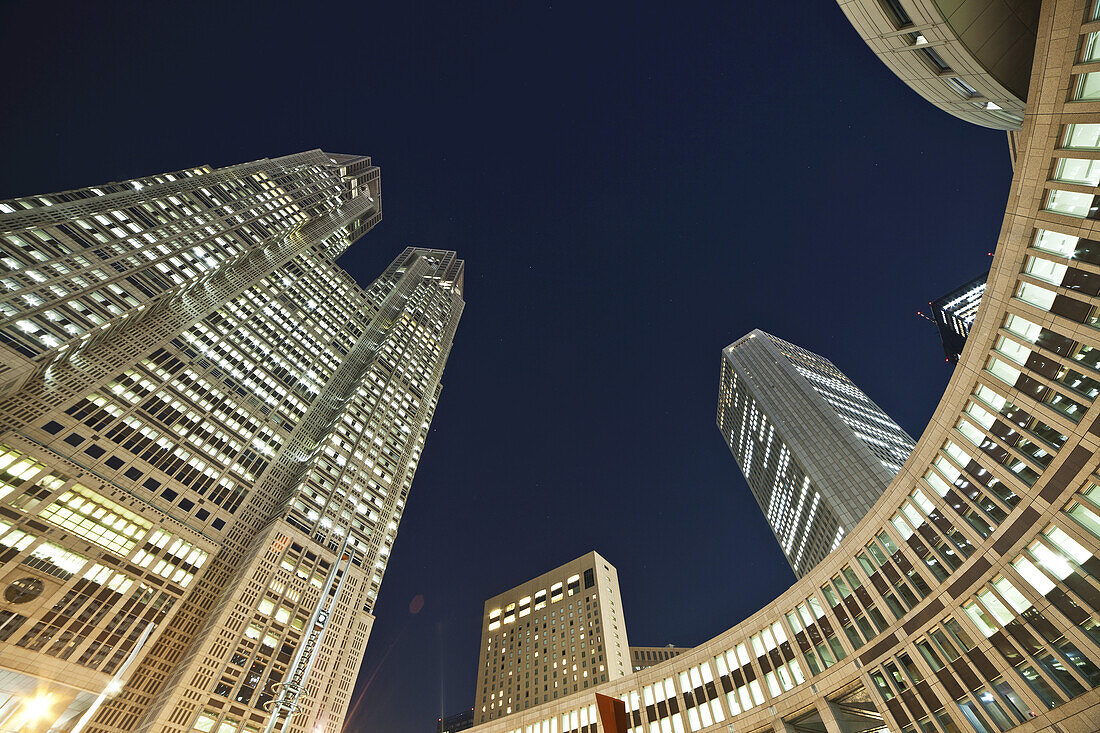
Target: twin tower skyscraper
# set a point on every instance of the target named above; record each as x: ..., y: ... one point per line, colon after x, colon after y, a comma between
x: 208, y: 433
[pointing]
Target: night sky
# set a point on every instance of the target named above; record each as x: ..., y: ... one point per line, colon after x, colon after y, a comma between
x: 632, y: 188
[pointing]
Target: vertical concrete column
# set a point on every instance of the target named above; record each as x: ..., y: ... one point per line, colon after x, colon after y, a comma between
x: 781, y: 726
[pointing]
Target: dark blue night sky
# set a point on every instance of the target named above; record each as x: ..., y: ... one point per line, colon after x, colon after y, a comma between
x: 632, y: 186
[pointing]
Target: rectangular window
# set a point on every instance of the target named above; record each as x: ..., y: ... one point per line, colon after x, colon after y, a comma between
x: 961, y: 87
x: 1083, y: 136
x: 1070, y: 203
x: 1035, y: 295
x: 1088, y: 87
x: 1078, y: 170
x: 1091, y: 48
x: 896, y: 13
x: 936, y: 62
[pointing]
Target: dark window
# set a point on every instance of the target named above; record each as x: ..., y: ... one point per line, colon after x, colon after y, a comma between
x: 75, y: 439
x: 934, y: 60
x: 187, y: 505
x: 896, y: 13
x: 202, y: 515
x: 589, y: 578
x: 218, y: 523
x: 152, y: 484
x: 169, y: 494
x: 133, y: 473
x: 94, y: 450
x: 115, y: 462
x: 53, y: 427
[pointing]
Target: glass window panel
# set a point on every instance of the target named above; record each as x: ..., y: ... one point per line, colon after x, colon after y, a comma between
x: 1078, y: 170
x: 959, y: 455
x: 1070, y: 203
x: 934, y: 480
x: 1015, y: 703
x: 1086, y: 518
x: 1035, y: 577
x: 923, y: 502
x: 1091, y: 48
x: 993, y: 710
x: 1040, y: 687
x: 1013, y: 350
x: 1088, y: 86
x: 1014, y: 597
x: 971, y: 433
x: 902, y: 528
x: 981, y: 415
x: 912, y: 514
x: 990, y: 397
x: 995, y: 607
x: 1068, y: 545
x: 1083, y: 137
x: 1003, y: 371
x: 970, y: 712
x: 1047, y: 270
x: 981, y: 619
x: 944, y: 645
x: 929, y: 655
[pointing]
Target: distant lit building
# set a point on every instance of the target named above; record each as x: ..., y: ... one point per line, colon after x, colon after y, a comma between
x: 646, y: 656
x: 456, y: 722
x: 816, y: 451
x: 954, y: 315
x: 547, y: 638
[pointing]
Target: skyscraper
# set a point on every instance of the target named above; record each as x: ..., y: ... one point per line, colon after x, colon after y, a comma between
x: 558, y: 633
x: 967, y: 599
x: 208, y: 432
x: 816, y: 451
x: 954, y: 314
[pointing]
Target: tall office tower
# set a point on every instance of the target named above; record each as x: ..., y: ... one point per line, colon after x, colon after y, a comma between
x: 816, y: 451
x: 954, y: 314
x: 556, y: 634
x: 208, y: 432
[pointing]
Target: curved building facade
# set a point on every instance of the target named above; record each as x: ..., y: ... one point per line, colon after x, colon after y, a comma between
x: 970, y: 58
x: 968, y: 599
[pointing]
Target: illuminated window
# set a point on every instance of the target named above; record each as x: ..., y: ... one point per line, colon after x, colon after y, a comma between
x: 96, y: 519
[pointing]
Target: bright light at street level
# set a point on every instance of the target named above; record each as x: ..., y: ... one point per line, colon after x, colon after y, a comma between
x: 35, y: 708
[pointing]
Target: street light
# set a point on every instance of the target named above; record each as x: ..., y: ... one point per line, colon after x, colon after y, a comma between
x: 34, y: 709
